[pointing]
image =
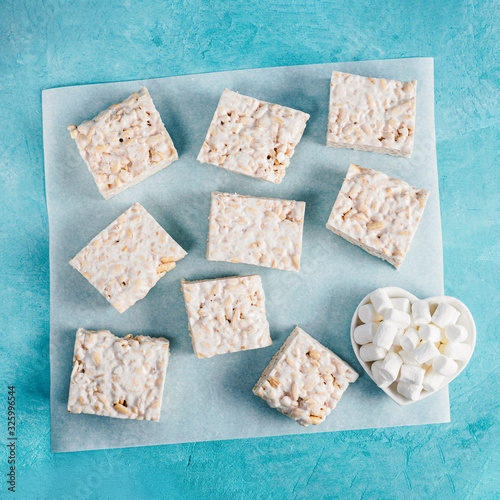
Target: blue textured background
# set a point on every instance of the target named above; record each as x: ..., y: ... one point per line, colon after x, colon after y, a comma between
x: 45, y: 44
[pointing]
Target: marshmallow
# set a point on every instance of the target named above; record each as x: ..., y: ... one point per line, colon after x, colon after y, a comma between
x: 379, y: 380
x: 456, y: 333
x: 397, y: 318
x: 410, y: 339
x: 398, y: 337
x: 421, y: 312
x: 445, y: 315
x: 455, y: 350
x: 432, y: 380
x: 411, y: 374
x: 389, y: 368
x: 367, y: 314
x: 401, y: 304
x: 425, y: 352
x: 444, y: 366
x: 407, y: 358
x: 371, y: 352
x: 430, y: 332
x: 409, y: 391
x: 363, y: 334
x: 385, y: 335
x: 380, y: 300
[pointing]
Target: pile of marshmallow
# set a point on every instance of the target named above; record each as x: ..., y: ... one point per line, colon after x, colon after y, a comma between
x: 408, y: 345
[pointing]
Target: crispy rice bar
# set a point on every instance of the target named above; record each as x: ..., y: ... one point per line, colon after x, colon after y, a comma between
x: 252, y: 137
x: 259, y: 231
x: 124, y: 144
x: 304, y: 380
x: 125, y: 260
x: 371, y: 114
x: 377, y: 213
x: 226, y: 315
x: 118, y: 377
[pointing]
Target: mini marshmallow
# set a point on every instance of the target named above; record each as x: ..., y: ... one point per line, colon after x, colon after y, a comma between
x: 401, y: 304
x: 385, y: 335
x: 389, y: 368
x: 371, y: 352
x: 397, y: 339
x: 410, y: 339
x: 378, y: 379
x: 408, y: 358
x: 430, y: 332
x: 444, y: 366
x: 432, y: 380
x: 397, y: 318
x: 411, y: 374
x: 421, y: 312
x: 456, y: 333
x: 367, y: 314
x: 363, y: 334
x: 445, y: 315
x: 409, y: 391
x: 425, y: 352
x: 380, y: 300
x: 455, y: 350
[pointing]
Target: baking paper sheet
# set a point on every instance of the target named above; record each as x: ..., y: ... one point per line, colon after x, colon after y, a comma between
x: 209, y: 399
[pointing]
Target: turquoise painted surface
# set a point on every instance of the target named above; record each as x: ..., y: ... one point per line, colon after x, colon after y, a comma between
x: 45, y: 44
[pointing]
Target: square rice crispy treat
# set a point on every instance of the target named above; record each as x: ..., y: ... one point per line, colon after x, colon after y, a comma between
x: 124, y: 144
x: 125, y: 260
x: 377, y: 213
x: 304, y: 380
x: 252, y: 137
x: 226, y: 315
x: 118, y: 377
x: 371, y: 114
x: 260, y: 231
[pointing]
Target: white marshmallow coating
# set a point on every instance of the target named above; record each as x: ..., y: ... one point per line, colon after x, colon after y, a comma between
x: 421, y: 312
x: 380, y: 301
x: 426, y: 351
x: 430, y: 332
x: 389, y: 368
x: 377, y: 376
x: 252, y: 137
x: 456, y: 333
x: 401, y: 304
x: 445, y: 315
x: 408, y: 358
x: 409, y: 391
x: 412, y: 374
x: 385, y: 335
x: 304, y: 379
x: 363, y: 334
x: 410, y: 340
x: 444, y: 365
x: 432, y: 380
x: 371, y: 352
x: 457, y: 351
x: 367, y: 314
x: 397, y: 318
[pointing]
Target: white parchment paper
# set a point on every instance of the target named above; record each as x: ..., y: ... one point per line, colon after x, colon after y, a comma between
x: 212, y: 399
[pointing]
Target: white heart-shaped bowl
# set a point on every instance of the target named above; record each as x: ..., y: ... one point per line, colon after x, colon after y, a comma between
x: 465, y: 320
